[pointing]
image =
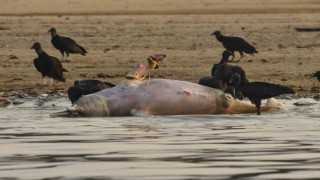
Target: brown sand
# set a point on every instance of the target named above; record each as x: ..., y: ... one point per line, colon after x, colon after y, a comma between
x: 118, y: 34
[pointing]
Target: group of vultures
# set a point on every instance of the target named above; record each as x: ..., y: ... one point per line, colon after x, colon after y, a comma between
x: 229, y: 78
x: 50, y: 66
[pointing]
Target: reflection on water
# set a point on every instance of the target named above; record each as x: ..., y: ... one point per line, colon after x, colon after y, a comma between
x: 279, y: 145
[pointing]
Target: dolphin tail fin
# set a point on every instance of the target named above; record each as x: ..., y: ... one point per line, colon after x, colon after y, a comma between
x: 239, y: 107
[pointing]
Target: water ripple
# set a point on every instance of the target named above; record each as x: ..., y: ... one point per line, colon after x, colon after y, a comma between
x: 283, y: 145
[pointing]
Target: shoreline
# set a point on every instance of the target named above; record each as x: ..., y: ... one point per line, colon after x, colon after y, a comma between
x: 173, y: 7
x: 17, y: 97
x: 241, y: 11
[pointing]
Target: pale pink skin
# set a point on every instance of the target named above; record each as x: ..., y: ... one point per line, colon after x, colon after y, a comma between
x: 160, y: 97
x: 142, y: 69
x: 157, y: 97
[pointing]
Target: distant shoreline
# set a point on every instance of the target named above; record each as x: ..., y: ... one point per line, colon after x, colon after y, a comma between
x: 173, y: 12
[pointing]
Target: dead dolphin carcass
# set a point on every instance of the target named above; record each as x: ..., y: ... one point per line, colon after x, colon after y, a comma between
x: 158, y: 97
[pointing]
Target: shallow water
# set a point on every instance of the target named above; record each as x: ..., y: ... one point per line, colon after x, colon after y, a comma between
x: 277, y: 145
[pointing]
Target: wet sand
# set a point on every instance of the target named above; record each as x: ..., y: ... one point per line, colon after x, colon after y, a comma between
x: 118, y: 34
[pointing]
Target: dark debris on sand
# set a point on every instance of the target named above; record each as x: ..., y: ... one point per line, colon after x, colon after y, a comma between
x: 17, y: 97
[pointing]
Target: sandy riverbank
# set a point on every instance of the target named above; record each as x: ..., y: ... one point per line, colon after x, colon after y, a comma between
x: 134, y: 30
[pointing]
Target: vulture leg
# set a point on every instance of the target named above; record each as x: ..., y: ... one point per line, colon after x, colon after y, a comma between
x: 232, y: 57
x: 67, y: 55
x: 51, y: 82
x: 241, y: 55
x: 44, y: 81
x: 62, y: 55
x: 257, y: 102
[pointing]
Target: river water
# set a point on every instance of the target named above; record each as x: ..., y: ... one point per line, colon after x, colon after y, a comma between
x: 277, y: 145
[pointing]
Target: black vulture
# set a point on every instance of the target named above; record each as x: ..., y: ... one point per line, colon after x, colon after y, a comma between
x: 236, y: 93
x: 48, y: 65
x: 241, y: 72
x: 234, y: 86
x: 256, y: 91
x: 217, y: 83
x: 224, y: 60
x: 317, y: 75
x: 85, y: 87
x: 212, y: 82
x: 225, y: 71
x: 235, y: 44
x: 65, y: 44
x: 92, y: 82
